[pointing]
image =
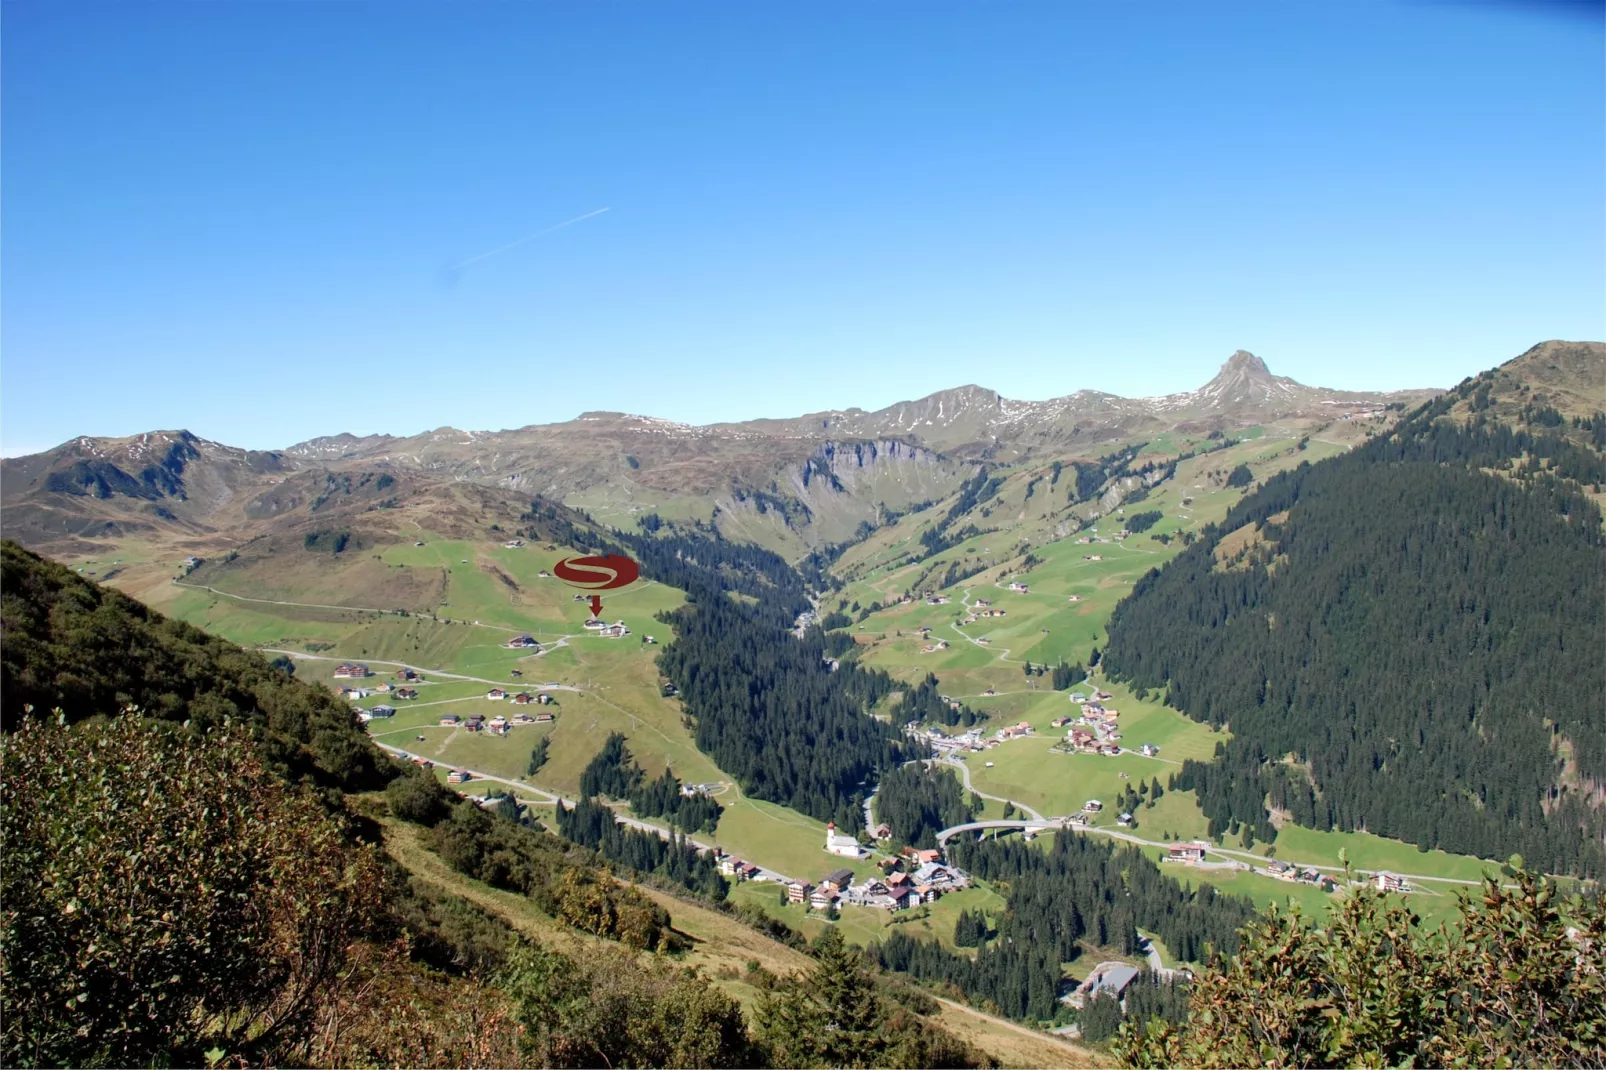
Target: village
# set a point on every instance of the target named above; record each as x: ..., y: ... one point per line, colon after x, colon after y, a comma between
x: 908, y: 879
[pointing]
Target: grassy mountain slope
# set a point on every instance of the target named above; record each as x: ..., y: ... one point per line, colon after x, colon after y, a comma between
x: 1357, y: 593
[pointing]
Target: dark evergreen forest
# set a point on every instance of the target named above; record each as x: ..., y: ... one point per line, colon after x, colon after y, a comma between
x: 1412, y: 647
x: 1080, y: 889
x: 591, y: 824
x: 783, y: 715
x: 614, y: 773
x: 919, y: 801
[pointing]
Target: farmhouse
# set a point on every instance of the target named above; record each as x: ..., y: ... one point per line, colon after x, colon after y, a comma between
x: 523, y: 698
x: 821, y: 900
x: 496, y: 694
x: 1193, y: 851
x: 616, y: 630
x: 406, y: 692
x: 450, y: 720
x: 1092, y: 806
x: 1148, y: 750
x: 1389, y: 882
x: 594, y: 624
x: 407, y: 674
x: 522, y: 642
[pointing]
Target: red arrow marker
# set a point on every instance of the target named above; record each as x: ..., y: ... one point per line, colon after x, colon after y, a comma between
x: 596, y: 605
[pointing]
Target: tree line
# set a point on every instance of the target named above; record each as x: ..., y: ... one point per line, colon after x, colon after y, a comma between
x: 1411, y: 645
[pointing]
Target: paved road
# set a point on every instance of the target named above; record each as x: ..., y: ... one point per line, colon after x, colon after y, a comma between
x: 964, y: 774
x: 504, y: 684
x: 349, y: 609
x: 1041, y: 823
x: 548, y: 798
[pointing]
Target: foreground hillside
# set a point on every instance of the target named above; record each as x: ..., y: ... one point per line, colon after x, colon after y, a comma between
x: 178, y: 890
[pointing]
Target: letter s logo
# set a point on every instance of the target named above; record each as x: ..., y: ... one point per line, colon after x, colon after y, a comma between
x: 597, y: 573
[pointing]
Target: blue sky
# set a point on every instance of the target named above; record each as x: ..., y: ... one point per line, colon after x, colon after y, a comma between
x: 238, y: 218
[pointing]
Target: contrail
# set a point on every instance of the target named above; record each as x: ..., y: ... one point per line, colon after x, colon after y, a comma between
x: 514, y: 245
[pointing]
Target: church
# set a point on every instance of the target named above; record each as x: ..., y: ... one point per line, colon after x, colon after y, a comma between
x: 846, y: 846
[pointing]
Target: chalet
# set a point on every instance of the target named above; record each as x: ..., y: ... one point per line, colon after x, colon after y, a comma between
x: 1123, y: 534
x: 498, y: 726
x: 873, y: 888
x: 1124, y: 820
x: 352, y: 672
x: 522, y: 642
x: 1110, y: 750
x: 1076, y: 819
x: 514, y: 544
x: 846, y: 846
x: 1148, y: 750
x: 543, y: 699
x: 382, y: 711
x: 1280, y: 869
x: 407, y: 674
x: 406, y: 692
x: 496, y: 694
x: 516, y: 672
x: 1389, y: 882
x: 1074, y: 598
x: 981, y: 603
x: 989, y: 692
x: 1193, y: 851
x: 542, y: 718
x: 1092, y: 557
x: 923, y: 893
x: 821, y: 900
x: 543, y: 575
x: 928, y: 857
x: 523, y: 718
x: 799, y: 891
x: 616, y: 630
x: 450, y: 720
x: 729, y: 864
x: 1092, y: 806
x: 904, y: 898
x: 1102, y: 696
x: 595, y: 624
x: 1107, y: 979
x: 746, y: 871
x: 897, y: 880
x: 458, y: 776
x: 883, y: 831
x: 383, y: 689
x: 985, y: 642
x: 837, y: 880
x: 423, y: 763
x: 649, y: 640
x: 1020, y: 588
x: 475, y: 722
x: 523, y: 698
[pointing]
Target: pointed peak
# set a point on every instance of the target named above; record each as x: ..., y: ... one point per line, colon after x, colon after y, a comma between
x: 1245, y: 363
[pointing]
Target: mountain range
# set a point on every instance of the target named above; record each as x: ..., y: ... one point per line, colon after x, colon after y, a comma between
x: 797, y: 483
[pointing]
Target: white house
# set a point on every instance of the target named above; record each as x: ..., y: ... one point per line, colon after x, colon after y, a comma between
x: 846, y: 846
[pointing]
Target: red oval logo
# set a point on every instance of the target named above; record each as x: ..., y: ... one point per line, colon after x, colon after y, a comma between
x: 597, y: 573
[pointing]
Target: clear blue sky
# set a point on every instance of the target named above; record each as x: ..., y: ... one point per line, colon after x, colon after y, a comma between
x: 238, y: 217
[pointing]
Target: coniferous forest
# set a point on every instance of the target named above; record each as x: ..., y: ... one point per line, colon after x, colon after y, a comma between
x: 1410, y: 643
x: 614, y: 773
x: 784, y: 716
x: 919, y: 801
x: 1080, y: 889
